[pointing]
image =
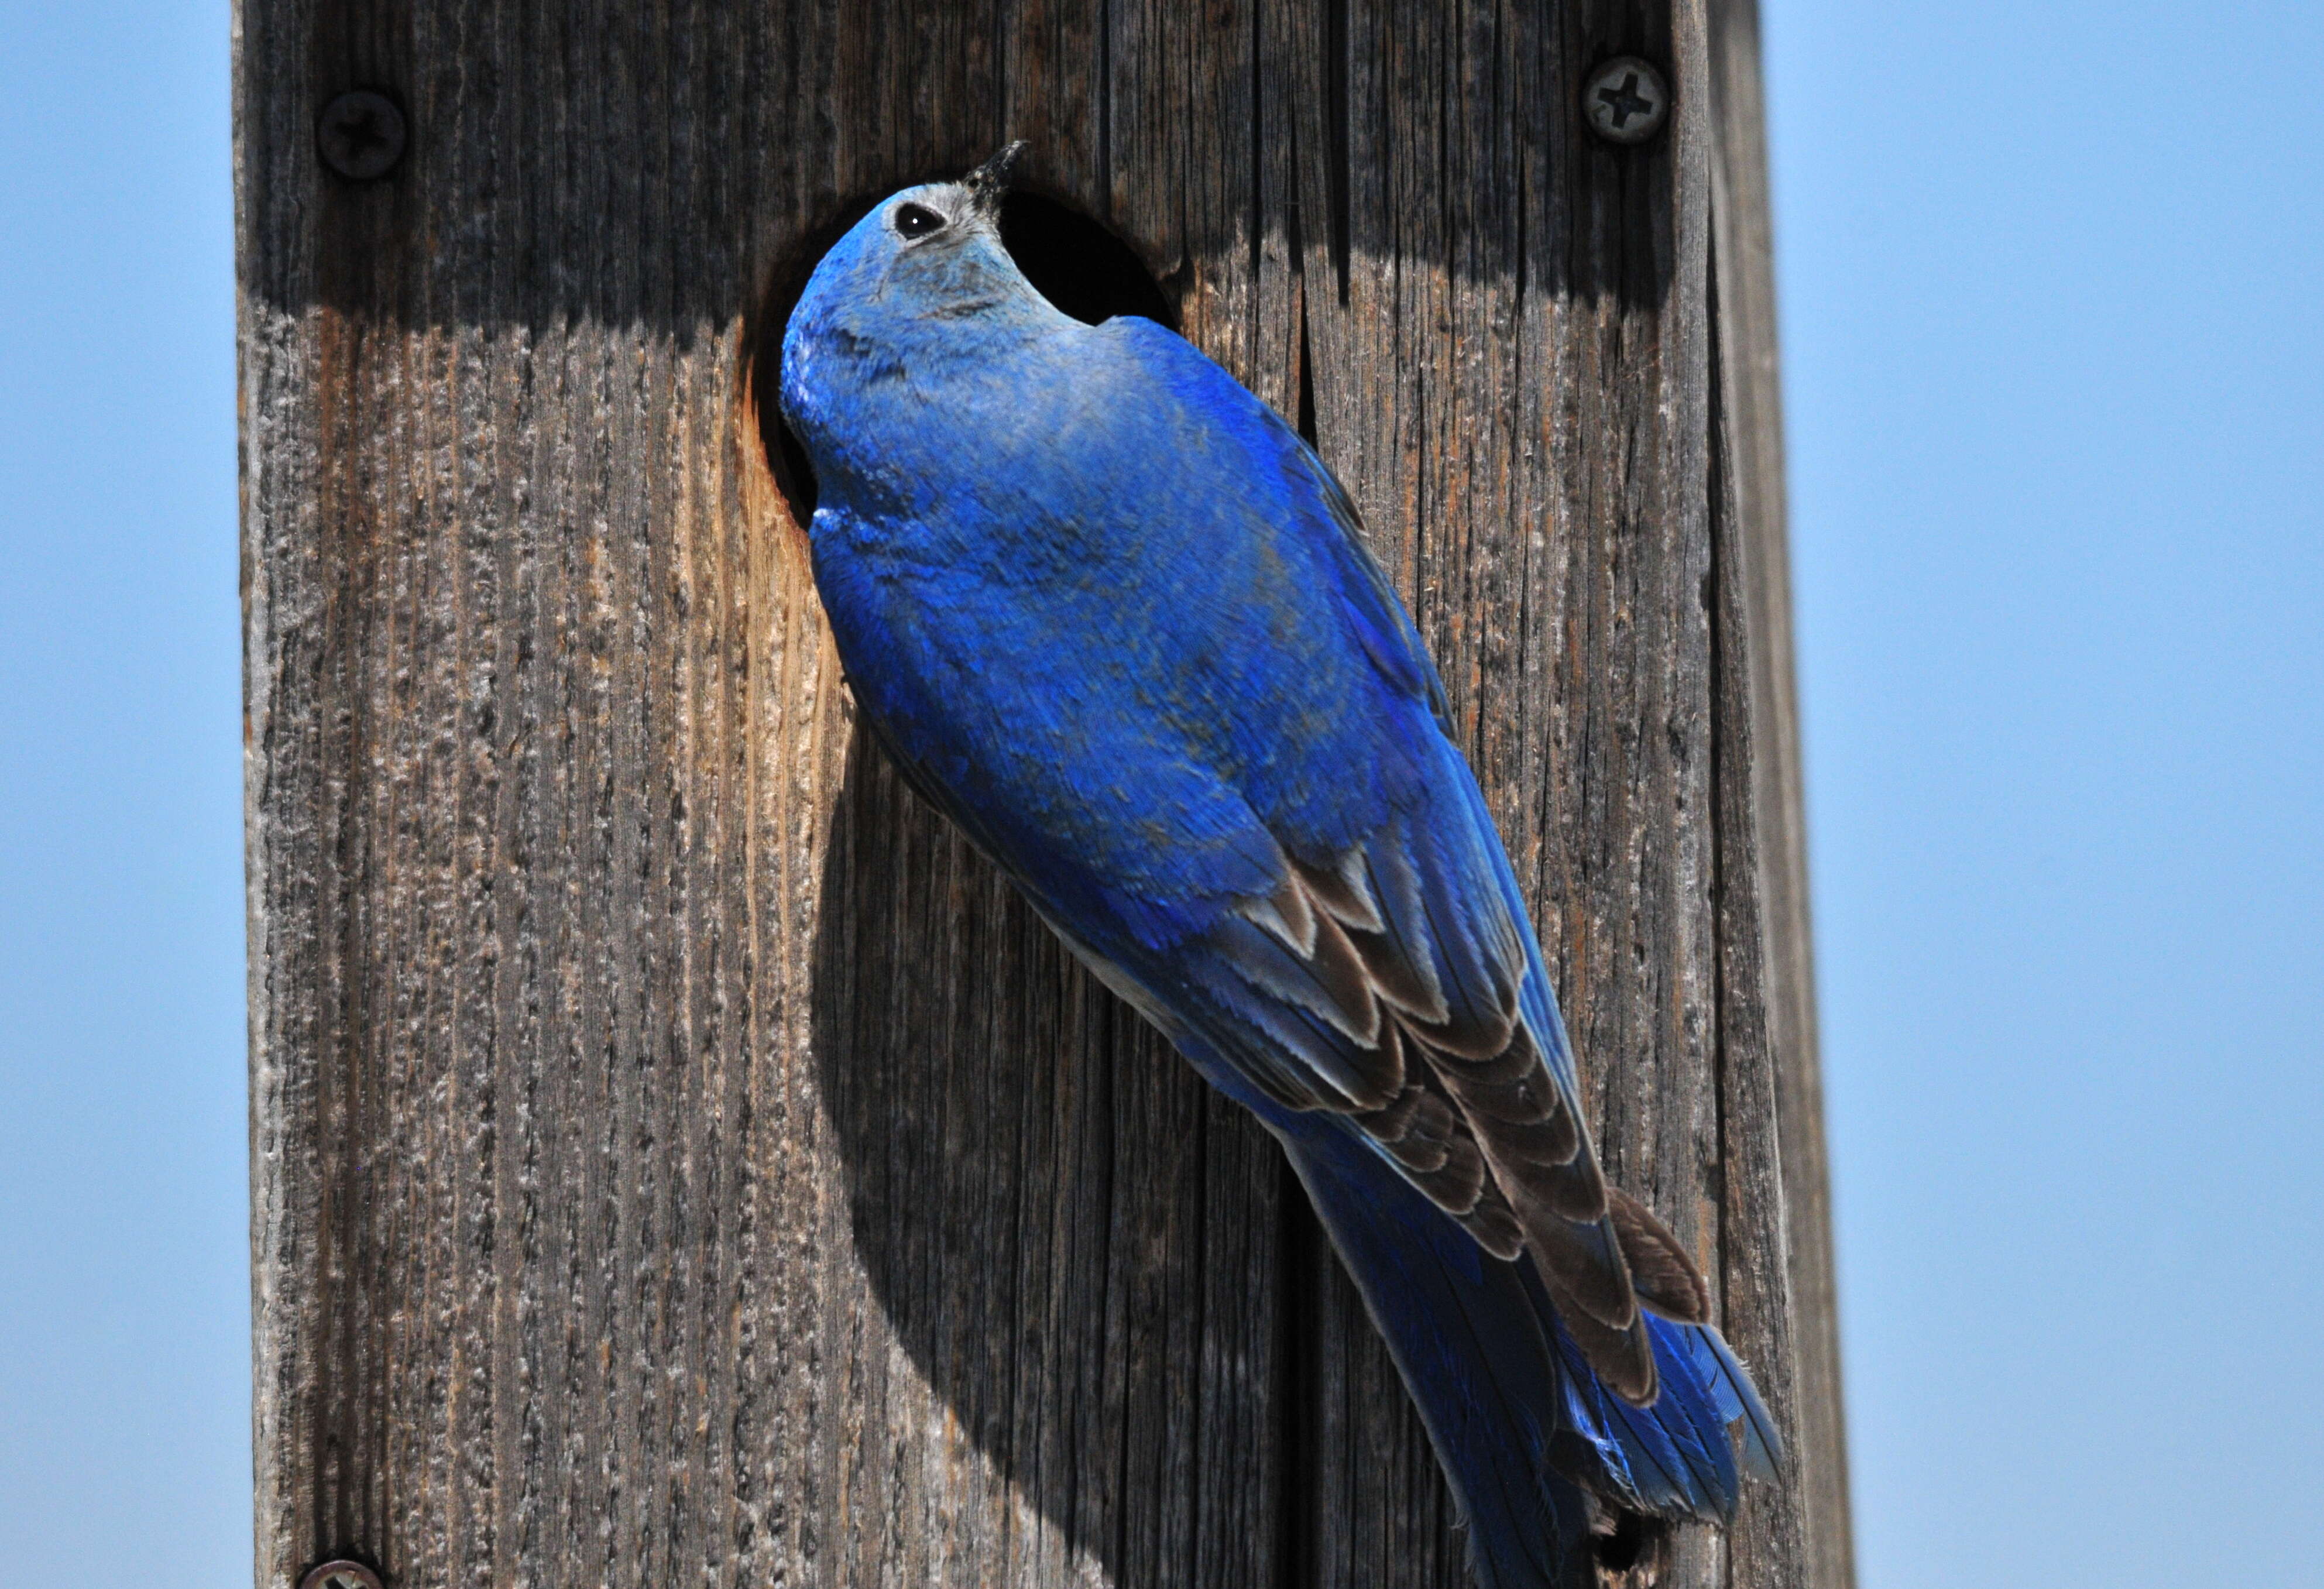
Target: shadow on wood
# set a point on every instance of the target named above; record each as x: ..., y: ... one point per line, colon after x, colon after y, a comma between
x: 1074, y: 1242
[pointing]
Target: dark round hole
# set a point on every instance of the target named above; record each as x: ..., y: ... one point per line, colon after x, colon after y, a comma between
x: 1619, y: 1551
x: 1077, y: 264
x: 1070, y: 257
x: 786, y: 460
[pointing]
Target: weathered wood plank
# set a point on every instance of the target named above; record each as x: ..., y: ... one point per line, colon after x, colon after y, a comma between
x: 1748, y: 394
x: 675, y: 1157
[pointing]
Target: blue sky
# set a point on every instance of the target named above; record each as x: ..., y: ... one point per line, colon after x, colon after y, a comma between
x: 2055, y: 381
x: 124, y: 1375
x: 2055, y: 376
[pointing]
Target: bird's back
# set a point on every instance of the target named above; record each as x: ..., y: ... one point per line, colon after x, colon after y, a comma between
x: 1124, y: 587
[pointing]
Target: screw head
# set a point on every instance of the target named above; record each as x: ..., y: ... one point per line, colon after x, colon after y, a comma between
x: 360, y: 134
x: 1627, y: 100
x: 340, y: 1574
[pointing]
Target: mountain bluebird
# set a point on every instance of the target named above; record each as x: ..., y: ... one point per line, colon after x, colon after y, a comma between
x: 1110, y: 616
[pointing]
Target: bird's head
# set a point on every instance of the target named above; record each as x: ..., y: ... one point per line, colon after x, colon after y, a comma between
x: 921, y: 282
x: 931, y: 250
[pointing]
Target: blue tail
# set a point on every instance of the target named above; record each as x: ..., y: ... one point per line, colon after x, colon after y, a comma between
x: 1674, y: 1458
x: 1517, y: 1417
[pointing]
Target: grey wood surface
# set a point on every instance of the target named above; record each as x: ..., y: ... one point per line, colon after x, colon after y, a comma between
x: 676, y: 1158
x: 1750, y: 434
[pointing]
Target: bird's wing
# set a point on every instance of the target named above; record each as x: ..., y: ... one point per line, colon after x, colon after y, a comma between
x: 1390, y: 986
x: 1393, y: 979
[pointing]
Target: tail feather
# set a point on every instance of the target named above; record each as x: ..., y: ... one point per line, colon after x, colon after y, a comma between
x: 1740, y: 1403
x: 1468, y: 1340
x: 1673, y: 1459
x: 1519, y: 1422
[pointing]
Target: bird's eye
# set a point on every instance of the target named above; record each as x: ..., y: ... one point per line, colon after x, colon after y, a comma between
x: 917, y: 220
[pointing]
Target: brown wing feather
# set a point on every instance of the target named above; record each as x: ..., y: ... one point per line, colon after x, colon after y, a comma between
x: 1460, y: 1099
x: 1623, y: 1358
x: 1423, y: 1132
x: 1661, y: 1271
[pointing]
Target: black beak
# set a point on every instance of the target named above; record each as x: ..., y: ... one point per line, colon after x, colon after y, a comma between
x: 989, y: 183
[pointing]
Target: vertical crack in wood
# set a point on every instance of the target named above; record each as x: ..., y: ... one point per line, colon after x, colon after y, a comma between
x: 1200, y: 1332
x: 1339, y: 154
x: 1105, y: 109
x: 1722, y: 751
x: 1727, y: 746
x: 1304, y: 423
x: 1255, y: 211
x: 1300, y: 1408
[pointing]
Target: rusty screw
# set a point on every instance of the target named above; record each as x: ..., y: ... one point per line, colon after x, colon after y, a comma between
x: 340, y: 1574
x: 360, y: 134
x: 1627, y: 100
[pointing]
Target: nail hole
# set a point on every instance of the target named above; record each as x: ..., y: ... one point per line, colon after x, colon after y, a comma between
x: 342, y: 1573
x: 1070, y: 256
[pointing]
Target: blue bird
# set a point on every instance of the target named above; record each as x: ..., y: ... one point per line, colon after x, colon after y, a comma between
x: 1109, y: 614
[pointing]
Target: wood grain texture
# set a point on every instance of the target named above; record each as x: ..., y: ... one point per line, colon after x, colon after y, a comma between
x: 1751, y: 439
x: 676, y: 1158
